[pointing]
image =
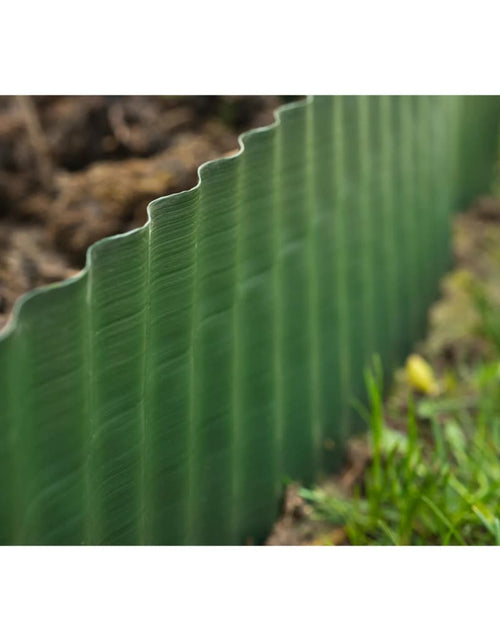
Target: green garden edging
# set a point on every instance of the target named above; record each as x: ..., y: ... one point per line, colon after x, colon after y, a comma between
x: 162, y: 395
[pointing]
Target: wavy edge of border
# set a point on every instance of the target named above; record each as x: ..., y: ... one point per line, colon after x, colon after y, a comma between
x: 12, y: 324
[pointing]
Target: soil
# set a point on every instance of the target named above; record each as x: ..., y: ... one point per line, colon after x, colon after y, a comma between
x: 74, y: 169
x: 454, y: 336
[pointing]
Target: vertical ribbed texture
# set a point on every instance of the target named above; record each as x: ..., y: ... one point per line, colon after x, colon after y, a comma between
x: 119, y: 441
x: 165, y: 394
x: 213, y: 349
x: 256, y: 373
x: 48, y: 404
x: 323, y: 249
x: 386, y: 254
x: 315, y: 262
x: 356, y: 250
x: 298, y: 454
x: 340, y: 286
x: 12, y: 481
x: 478, y: 131
x: 173, y: 454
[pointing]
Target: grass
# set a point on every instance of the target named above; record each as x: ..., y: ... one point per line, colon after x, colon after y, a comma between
x: 438, y: 481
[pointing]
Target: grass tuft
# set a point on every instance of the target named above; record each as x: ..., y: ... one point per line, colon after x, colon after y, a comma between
x: 434, y: 482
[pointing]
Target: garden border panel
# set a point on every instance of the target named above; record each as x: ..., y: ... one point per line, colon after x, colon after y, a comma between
x: 165, y: 393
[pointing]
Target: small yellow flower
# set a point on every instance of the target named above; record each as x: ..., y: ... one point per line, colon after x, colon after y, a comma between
x: 420, y: 375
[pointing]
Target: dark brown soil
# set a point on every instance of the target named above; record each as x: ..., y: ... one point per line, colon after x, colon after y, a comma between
x: 74, y: 169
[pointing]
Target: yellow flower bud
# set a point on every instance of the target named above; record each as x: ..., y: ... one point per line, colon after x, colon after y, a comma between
x: 420, y: 375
